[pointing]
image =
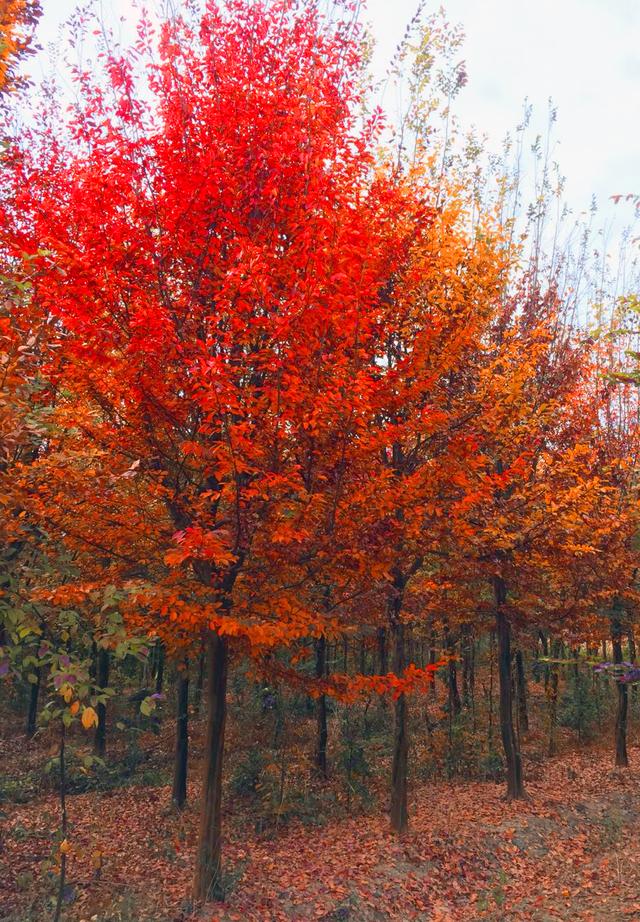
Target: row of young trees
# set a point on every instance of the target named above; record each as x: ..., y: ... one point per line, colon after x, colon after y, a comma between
x: 267, y: 385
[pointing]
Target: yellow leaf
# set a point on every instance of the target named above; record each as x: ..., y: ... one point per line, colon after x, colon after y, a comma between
x: 89, y: 718
x: 65, y: 848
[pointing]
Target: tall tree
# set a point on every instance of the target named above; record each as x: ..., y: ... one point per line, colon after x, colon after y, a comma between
x: 213, y: 243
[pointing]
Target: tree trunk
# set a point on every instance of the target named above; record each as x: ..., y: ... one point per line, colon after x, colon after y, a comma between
x: 160, y: 668
x: 492, y: 651
x: 63, y: 825
x: 468, y: 667
x: 622, y: 759
x: 102, y: 681
x: 432, y: 660
x: 410, y: 645
x: 363, y: 657
x: 199, y: 682
x: 382, y: 651
x: 521, y: 682
x: 515, y: 784
x: 93, y: 665
x: 321, y: 710
x: 552, y: 694
x: 399, y: 811
x: 545, y: 652
x: 207, y: 882
x: 182, y: 739
x: 455, y: 705
x: 632, y: 659
x: 34, y: 692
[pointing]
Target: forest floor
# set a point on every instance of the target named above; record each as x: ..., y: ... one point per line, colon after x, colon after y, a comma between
x: 570, y: 852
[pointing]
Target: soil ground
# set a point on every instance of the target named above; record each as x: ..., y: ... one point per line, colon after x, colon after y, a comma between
x: 569, y: 852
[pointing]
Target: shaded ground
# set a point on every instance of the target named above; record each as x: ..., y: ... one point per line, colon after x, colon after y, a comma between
x: 569, y: 853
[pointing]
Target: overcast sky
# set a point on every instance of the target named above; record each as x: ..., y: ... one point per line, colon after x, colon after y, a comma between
x: 584, y: 54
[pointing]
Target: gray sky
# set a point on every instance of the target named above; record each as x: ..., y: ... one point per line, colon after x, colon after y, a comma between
x: 584, y: 54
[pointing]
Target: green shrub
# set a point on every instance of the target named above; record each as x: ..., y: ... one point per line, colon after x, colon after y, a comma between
x: 247, y: 774
x: 579, y: 708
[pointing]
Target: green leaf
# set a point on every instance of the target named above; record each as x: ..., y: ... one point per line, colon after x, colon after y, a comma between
x: 146, y: 707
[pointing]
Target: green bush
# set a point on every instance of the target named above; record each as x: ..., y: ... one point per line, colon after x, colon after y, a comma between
x: 352, y: 760
x: 579, y: 708
x: 247, y: 774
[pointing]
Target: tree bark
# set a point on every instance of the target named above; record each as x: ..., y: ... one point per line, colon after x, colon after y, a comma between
x: 208, y: 881
x: 432, y: 660
x: 492, y: 650
x: 545, y: 652
x: 160, y: 668
x: 455, y: 705
x: 622, y: 759
x: 515, y: 783
x: 399, y: 811
x: 63, y: 825
x: 321, y: 710
x: 552, y: 694
x: 102, y: 681
x: 202, y: 659
x: 468, y: 667
x: 363, y: 657
x: 179, y: 794
x: 521, y: 684
x: 34, y: 693
x: 383, y: 668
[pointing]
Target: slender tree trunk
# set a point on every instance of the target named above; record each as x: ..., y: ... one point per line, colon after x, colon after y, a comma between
x: 160, y: 668
x: 492, y: 653
x: 455, y: 705
x: 552, y: 695
x: 34, y: 693
x: 523, y: 712
x: 545, y: 652
x: 432, y: 660
x: 399, y: 811
x: 382, y: 651
x: 207, y: 881
x: 202, y: 659
x: 93, y: 665
x: 622, y: 759
x: 182, y: 739
x: 632, y: 659
x: 468, y: 671
x: 102, y: 681
x: 63, y: 825
x: 363, y: 657
x: 321, y: 710
x: 515, y: 783
x: 410, y: 645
